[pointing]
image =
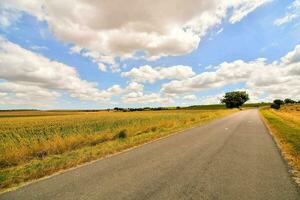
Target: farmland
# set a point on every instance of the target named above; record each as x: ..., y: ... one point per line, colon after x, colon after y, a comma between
x: 38, y: 143
x: 285, y: 125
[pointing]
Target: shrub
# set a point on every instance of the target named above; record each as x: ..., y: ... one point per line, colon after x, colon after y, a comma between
x: 275, y: 106
x: 154, y: 128
x: 122, y: 134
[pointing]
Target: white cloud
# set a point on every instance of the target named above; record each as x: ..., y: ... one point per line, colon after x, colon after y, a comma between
x: 101, y: 67
x: 285, y: 19
x: 134, y: 94
x: 293, y: 12
x: 280, y: 79
x: 142, y: 98
x: 7, y: 18
x: 32, y: 77
x: 190, y: 97
x: 102, y: 31
x: 243, y: 8
x: 219, y: 31
x: 212, y: 99
x: 254, y: 97
x: 18, y: 93
x: 134, y: 87
x: 293, y: 56
x: 226, y: 73
x: 149, y: 74
x: 38, y: 48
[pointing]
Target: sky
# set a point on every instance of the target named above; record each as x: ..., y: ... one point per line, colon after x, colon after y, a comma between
x: 79, y: 54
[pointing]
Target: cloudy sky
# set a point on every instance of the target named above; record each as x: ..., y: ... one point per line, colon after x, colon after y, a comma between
x: 136, y: 53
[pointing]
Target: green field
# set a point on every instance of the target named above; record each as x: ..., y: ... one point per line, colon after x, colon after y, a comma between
x: 34, y: 144
x: 285, y: 125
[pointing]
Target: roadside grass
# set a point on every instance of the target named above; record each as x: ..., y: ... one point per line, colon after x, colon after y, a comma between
x: 285, y: 125
x: 34, y: 146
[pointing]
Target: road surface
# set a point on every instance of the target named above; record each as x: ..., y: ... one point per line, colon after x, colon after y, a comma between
x: 230, y: 158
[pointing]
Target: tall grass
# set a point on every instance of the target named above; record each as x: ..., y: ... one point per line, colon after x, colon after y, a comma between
x: 33, y: 145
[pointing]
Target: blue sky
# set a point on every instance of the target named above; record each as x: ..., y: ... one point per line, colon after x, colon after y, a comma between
x: 194, y: 72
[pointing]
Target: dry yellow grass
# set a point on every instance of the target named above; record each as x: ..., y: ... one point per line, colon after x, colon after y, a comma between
x: 33, y: 145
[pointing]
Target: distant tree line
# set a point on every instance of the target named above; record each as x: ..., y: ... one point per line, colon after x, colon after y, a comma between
x: 139, y: 109
x: 278, y: 102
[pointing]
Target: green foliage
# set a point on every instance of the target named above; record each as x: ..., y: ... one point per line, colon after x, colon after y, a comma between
x: 287, y: 101
x: 275, y: 106
x: 206, y: 107
x: 253, y: 105
x: 235, y: 99
x: 278, y: 101
x: 122, y: 134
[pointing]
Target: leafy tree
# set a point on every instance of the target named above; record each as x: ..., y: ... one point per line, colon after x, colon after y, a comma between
x: 289, y: 101
x: 278, y: 101
x: 235, y: 99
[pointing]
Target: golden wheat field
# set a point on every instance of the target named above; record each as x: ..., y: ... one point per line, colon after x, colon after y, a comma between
x: 37, y: 143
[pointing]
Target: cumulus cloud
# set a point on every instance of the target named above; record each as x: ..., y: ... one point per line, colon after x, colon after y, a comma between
x: 102, y: 31
x: 134, y: 94
x: 150, y: 74
x: 32, y: 77
x: 279, y: 79
x: 226, y: 73
x: 211, y: 99
x: 293, y: 56
x: 24, y: 94
x: 134, y: 87
x: 190, y: 97
x: 142, y: 98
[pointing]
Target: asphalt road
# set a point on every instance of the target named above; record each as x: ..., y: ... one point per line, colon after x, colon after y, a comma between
x: 231, y: 158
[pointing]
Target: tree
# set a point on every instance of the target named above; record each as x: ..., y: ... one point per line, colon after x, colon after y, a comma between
x: 235, y: 99
x: 287, y: 100
x: 278, y: 102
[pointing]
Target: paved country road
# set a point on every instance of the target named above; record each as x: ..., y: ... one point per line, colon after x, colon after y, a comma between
x: 230, y: 158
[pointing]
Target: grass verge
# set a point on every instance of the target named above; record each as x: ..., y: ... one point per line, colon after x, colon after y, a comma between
x: 285, y: 128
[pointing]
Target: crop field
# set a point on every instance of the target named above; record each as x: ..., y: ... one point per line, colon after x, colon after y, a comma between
x: 285, y: 125
x: 34, y: 144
